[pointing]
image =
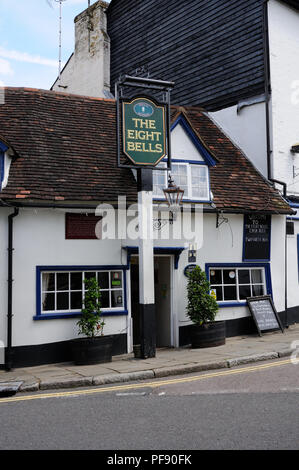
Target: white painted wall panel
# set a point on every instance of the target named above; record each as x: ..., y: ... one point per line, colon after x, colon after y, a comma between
x: 284, y: 64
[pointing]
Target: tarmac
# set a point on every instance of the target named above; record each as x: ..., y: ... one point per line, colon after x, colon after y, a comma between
x: 168, y: 361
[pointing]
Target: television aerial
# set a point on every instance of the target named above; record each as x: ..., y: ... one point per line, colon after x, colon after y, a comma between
x: 50, y: 3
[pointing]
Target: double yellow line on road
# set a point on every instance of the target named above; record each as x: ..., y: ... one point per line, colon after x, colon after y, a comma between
x: 157, y: 383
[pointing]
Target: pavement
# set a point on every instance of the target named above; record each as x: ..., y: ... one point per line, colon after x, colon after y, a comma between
x: 168, y: 361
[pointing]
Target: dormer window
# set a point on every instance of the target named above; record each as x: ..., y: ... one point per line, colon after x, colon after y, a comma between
x: 192, y: 178
x: 190, y: 165
x: 3, y: 150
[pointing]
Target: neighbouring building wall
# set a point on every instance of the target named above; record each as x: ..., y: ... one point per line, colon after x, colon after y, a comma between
x: 284, y: 66
x: 88, y: 70
x: 212, y: 50
x: 246, y: 127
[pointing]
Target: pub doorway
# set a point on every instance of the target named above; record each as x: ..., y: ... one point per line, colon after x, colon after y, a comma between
x: 163, y: 294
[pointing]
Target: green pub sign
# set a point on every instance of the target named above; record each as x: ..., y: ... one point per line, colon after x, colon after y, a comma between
x: 144, y: 131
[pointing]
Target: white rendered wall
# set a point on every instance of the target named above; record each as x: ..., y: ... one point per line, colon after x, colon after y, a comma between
x: 284, y: 66
x: 247, y: 130
x: 225, y: 245
x: 88, y: 70
x: 39, y: 240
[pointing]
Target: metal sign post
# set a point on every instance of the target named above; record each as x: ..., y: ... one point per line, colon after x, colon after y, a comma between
x: 143, y: 139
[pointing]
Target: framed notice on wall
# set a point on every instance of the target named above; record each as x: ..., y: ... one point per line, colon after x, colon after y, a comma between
x: 257, y: 237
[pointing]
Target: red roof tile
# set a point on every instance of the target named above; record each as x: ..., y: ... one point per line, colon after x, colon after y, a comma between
x: 66, y: 147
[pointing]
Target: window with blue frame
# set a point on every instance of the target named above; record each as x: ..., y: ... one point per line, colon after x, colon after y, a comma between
x: 61, y: 291
x: 3, y: 149
x: 234, y: 283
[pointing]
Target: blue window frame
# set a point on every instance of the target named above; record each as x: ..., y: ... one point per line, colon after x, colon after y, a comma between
x: 60, y: 290
x: 190, y: 175
x: 3, y: 149
x: 234, y: 282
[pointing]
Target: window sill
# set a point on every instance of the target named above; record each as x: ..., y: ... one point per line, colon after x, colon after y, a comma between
x: 231, y: 304
x: 59, y: 316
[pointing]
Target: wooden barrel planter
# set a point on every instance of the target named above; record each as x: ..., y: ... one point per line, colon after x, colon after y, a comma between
x: 208, y: 335
x: 87, y: 351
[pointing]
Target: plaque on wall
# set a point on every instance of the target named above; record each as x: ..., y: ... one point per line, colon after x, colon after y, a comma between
x: 264, y: 314
x: 257, y: 237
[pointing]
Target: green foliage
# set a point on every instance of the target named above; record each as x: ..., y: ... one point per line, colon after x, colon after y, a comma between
x: 202, y: 306
x: 90, y: 323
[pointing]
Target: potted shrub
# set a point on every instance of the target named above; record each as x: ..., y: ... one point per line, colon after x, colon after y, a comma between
x: 94, y: 348
x: 202, y: 309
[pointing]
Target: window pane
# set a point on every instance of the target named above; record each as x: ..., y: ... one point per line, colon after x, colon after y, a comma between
x: 180, y: 176
x: 215, y: 276
x: 63, y: 301
x: 199, y: 180
x: 105, y: 299
x: 256, y: 276
x: 62, y: 281
x: 117, y: 298
x: 76, y: 281
x: 116, y: 279
x: 90, y: 275
x: 244, y: 292
x: 244, y: 277
x: 76, y: 300
x: 219, y: 293
x: 229, y: 276
x: 257, y: 290
x: 230, y: 293
x: 103, y: 280
x: 48, y: 302
x: 159, y: 181
x: 48, y: 282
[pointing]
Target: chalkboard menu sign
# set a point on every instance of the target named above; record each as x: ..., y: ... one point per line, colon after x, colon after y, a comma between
x: 257, y: 232
x: 264, y: 313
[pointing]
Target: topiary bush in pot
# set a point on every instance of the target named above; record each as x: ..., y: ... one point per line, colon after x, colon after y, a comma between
x: 94, y: 348
x: 202, y: 309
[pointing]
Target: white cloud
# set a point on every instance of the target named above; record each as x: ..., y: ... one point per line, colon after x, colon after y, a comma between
x: 1, y: 84
x: 5, y: 67
x: 25, y: 57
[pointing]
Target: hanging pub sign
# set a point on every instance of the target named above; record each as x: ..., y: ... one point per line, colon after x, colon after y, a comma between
x: 144, y: 131
x: 143, y: 117
x: 257, y: 237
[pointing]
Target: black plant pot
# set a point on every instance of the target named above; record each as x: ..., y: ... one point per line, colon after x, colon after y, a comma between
x: 208, y: 335
x: 96, y: 350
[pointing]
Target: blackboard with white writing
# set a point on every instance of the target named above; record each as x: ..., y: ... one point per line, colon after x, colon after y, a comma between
x: 257, y: 233
x: 264, y: 313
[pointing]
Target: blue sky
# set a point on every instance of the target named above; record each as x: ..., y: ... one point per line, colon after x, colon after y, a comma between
x: 29, y: 40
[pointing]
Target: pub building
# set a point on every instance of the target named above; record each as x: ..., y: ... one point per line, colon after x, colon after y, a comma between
x: 58, y: 160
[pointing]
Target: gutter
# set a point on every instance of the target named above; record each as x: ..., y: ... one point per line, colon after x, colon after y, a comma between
x: 9, y: 352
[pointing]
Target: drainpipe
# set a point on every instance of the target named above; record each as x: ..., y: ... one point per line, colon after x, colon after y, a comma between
x: 9, y: 353
x: 284, y: 185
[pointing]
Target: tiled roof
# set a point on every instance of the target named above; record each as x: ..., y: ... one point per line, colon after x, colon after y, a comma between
x: 66, y: 152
